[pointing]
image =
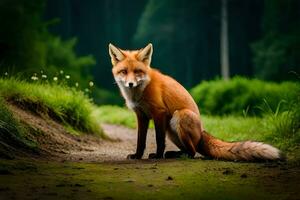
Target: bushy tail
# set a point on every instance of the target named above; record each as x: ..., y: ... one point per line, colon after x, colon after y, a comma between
x: 242, y: 151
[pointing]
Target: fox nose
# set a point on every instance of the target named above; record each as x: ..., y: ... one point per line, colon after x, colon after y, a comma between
x: 130, y: 84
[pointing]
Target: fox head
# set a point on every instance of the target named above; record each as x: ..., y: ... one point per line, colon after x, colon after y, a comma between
x: 131, y: 68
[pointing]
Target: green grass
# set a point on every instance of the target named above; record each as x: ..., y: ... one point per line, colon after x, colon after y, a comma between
x: 62, y: 103
x: 117, y: 115
x: 285, y: 125
x: 12, y: 133
x: 234, y: 128
x: 281, y: 130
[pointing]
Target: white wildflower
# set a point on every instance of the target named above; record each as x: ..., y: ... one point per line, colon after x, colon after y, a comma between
x: 67, y: 76
x: 76, y: 84
x: 86, y: 90
x: 44, y: 76
x: 61, y: 71
x: 55, y: 78
x: 91, y: 83
x: 6, y: 74
x: 34, y: 78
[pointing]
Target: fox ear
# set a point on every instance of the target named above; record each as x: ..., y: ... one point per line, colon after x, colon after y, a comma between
x: 145, y: 54
x: 115, y: 54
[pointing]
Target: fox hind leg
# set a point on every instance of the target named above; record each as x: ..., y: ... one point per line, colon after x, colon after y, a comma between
x: 173, y: 136
x: 186, y: 130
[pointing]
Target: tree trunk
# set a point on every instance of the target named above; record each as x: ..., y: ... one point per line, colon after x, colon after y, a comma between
x: 224, y: 41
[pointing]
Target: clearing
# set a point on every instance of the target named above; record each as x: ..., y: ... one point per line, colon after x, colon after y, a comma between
x: 87, y: 167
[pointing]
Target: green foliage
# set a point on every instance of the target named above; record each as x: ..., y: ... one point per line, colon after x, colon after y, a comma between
x: 242, y: 96
x: 276, y: 55
x: 60, y: 55
x: 22, y: 33
x: 60, y: 102
x: 27, y: 46
x: 278, y: 51
x: 179, y: 39
x: 101, y: 97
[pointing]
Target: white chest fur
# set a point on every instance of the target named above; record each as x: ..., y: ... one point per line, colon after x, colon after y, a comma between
x: 132, y: 96
x: 134, y: 100
x: 131, y: 104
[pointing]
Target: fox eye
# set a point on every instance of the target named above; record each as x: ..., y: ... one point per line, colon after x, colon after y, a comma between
x: 138, y: 71
x: 124, y: 72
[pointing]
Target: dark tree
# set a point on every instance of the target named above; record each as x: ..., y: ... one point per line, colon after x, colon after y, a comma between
x: 277, y: 54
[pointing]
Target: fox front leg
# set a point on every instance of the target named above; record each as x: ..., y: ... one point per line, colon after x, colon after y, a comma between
x: 143, y: 123
x: 160, y: 134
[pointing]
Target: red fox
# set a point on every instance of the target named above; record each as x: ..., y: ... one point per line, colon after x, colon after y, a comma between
x: 153, y: 95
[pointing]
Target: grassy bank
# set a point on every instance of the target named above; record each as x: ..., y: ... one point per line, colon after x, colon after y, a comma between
x: 59, y: 102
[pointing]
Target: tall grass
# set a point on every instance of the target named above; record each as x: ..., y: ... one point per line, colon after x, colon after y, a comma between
x: 285, y: 125
x: 60, y: 102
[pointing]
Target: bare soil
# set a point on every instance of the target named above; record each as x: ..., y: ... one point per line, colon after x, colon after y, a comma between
x: 55, y: 142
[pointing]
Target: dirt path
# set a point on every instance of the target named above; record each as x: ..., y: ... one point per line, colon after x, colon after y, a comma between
x: 123, y: 143
x: 56, y: 141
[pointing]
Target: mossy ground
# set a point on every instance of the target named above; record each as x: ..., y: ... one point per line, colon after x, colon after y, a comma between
x: 148, y: 179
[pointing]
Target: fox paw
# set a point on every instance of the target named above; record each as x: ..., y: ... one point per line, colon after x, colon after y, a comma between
x: 155, y: 156
x: 133, y: 156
